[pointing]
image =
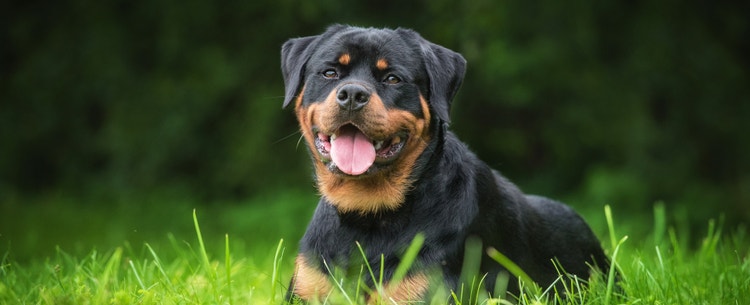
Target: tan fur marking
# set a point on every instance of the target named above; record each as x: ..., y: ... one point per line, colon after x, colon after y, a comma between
x: 388, y: 188
x: 303, y: 118
x: 309, y: 282
x: 298, y: 102
x: 411, y: 289
x: 385, y: 190
x: 381, y: 64
x: 344, y: 59
x: 425, y: 111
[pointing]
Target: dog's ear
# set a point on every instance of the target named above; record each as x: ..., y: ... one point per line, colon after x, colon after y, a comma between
x: 294, y: 55
x: 445, y: 69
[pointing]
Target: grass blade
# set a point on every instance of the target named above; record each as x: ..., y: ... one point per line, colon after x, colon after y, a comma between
x: 514, y: 269
x: 338, y: 284
x: 135, y: 272
x: 367, y: 263
x: 612, y: 271
x: 204, y: 255
x: 202, y: 247
x: 470, y: 267
x: 610, y: 226
x: 159, y: 265
x: 660, y: 223
x: 408, y: 260
x: 228, y: 268
x: 276, y: 265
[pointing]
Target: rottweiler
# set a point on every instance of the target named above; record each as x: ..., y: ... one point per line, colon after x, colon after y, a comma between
x: 373, y: 108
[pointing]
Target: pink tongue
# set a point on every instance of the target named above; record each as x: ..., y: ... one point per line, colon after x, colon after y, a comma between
x: 352, y: 152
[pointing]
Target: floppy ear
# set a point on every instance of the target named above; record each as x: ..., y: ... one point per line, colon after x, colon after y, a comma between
x: 445, y: 69
x: 294, y: 55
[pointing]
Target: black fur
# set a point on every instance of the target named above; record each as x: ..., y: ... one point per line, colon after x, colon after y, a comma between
x: 455, y: 196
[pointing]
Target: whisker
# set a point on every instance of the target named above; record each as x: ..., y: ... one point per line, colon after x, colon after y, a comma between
x: 285, y: 137
x: 301, y: 136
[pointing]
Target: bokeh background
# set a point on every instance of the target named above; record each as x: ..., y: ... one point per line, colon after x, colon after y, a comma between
x: 118, y: 118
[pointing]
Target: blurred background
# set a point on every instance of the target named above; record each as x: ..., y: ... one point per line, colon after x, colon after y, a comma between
x: 118, y: 118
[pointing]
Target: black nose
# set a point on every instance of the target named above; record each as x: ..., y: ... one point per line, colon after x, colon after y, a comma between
x: 352, y: 97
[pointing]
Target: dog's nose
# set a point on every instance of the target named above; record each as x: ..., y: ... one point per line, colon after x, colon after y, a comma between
x: 352, y: 97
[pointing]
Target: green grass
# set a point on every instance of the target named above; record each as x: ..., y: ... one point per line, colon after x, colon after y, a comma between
x: 211, y: 268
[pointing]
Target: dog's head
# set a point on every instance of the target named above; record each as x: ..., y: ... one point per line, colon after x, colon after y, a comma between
x: 366, y: 100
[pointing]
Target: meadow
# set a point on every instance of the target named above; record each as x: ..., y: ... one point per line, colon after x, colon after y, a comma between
x: 144, y: 158
x: 171, y: 252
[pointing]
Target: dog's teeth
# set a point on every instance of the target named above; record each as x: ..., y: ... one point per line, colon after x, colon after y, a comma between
x: 333, y: 137
x: 378, y: 145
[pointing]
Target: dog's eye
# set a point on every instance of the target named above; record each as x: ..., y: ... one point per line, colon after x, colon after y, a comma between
x: 392, y: 79
x: 330, y: 73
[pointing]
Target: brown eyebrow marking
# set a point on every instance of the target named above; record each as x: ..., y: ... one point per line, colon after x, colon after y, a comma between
x: 382, y: 64
x: 344, y: 59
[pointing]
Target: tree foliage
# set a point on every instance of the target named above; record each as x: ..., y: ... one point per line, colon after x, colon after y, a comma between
x: 611, y: 102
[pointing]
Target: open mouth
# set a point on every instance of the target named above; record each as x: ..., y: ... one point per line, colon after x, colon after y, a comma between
x: 353, y: 153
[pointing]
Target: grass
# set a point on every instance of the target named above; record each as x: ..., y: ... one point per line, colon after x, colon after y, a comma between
x: 663, y: 268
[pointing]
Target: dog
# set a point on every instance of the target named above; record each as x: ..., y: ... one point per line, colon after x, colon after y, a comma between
x: 373, y: 108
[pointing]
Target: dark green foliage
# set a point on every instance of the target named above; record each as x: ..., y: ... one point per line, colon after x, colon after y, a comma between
x: 622, y: 103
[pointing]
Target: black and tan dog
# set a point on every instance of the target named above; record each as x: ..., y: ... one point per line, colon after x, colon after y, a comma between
x: 373, y: 106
